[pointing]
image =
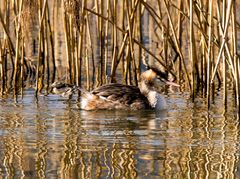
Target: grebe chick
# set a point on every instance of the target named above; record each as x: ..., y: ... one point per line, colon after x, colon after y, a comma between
x: 66, y: 90
x: 118, y: 96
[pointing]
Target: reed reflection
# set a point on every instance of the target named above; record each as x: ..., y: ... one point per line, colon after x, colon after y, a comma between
x: 41, y: 146
x: 12, y: 150
x: 69, y: 143
x: 177, y: 148
x: 95, y: 148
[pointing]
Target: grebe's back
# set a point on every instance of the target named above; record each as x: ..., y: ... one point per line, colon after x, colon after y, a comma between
x: 114, y: 96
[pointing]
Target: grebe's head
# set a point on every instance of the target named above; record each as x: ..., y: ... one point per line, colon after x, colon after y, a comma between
x: 153, y: 80
x: 61, y: 88
x: 150, y: 86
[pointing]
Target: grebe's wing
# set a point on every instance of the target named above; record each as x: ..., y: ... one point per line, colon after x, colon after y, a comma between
x: 125, y: 94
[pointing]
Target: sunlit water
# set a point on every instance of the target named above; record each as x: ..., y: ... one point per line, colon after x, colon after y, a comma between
x: 52, y: 138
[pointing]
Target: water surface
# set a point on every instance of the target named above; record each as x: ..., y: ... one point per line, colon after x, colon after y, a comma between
x: 52, y: 138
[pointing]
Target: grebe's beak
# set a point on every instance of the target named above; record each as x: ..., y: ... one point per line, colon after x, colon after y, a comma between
x: 167, y: 82
x: 159, y: 84
x: 170, y: 83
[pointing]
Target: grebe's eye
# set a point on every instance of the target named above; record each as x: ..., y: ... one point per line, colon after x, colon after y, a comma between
x: 160, y: 78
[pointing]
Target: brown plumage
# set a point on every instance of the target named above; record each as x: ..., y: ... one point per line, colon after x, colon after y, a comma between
x: 122, y: 96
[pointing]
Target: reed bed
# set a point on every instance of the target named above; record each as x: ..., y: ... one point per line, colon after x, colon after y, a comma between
x: 108, y: 40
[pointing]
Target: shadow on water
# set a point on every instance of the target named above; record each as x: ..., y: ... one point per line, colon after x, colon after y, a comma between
x: 54, y: 139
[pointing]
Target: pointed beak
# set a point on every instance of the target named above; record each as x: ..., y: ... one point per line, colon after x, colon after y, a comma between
x: 167, y: 82
x: 172, y: 83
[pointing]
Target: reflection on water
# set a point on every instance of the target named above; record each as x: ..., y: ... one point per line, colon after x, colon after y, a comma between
x: 53, y: 139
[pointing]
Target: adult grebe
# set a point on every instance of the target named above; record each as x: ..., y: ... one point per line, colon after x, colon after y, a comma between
x: 119, y: 96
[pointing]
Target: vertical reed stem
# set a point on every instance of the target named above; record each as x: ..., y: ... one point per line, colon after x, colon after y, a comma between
x: 192, y: 50
x: 80, y: 45
x: 91, y: 47
x: 2, y: 71
x: 210, y: 19
x: 223, y: 57
x: 106, y: 42
x: 115, y: 46
x: 16, y: 70
x: 235, y: 55
x: 179, y: 36
x: 41, y: 47
x: 68, y: 48
x: 51, y: 35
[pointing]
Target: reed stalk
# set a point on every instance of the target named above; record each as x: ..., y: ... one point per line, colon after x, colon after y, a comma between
x: 6, y: 32
x: 87, y: 70
x: 78, y: 59
x: 47, y: 54
x: 80, y: 44
x: 91, y: 48
x: 192, y: 57
x: 41, y: 48
x: 99, y: 36
x: 126, y: 65
x: 140, y: 39
x: 22, y: 68
x: 106, y: 42
x: 16, y: 67
x: 235, y: 55
x: 203, y: 62
x: 179, y: 36
x: 68, y: 47
x: 223, y: 58
x: 72, y: 48
x: 86, y: 55
x: 210, y: 30
x: 102, y: 44
x: 115, y: 45
x: 2, y: 70
x: 51, y: 35
x: 165, y: 36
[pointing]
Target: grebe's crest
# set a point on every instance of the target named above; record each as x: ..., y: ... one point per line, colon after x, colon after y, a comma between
x: 148, y: 75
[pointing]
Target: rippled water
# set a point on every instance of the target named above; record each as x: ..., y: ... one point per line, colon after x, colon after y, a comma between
x: 52, y: 138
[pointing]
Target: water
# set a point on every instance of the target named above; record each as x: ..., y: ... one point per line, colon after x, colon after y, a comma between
x: 54, y: 139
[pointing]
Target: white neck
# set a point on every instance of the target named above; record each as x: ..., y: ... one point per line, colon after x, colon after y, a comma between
x: 156, y: 100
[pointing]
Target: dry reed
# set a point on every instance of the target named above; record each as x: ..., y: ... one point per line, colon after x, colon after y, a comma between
x: 196, y: 40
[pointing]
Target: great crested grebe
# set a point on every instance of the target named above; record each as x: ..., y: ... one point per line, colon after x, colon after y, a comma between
x: 119, y: 96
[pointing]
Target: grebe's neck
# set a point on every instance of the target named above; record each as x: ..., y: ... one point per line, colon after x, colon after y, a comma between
x: 155, y: 99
